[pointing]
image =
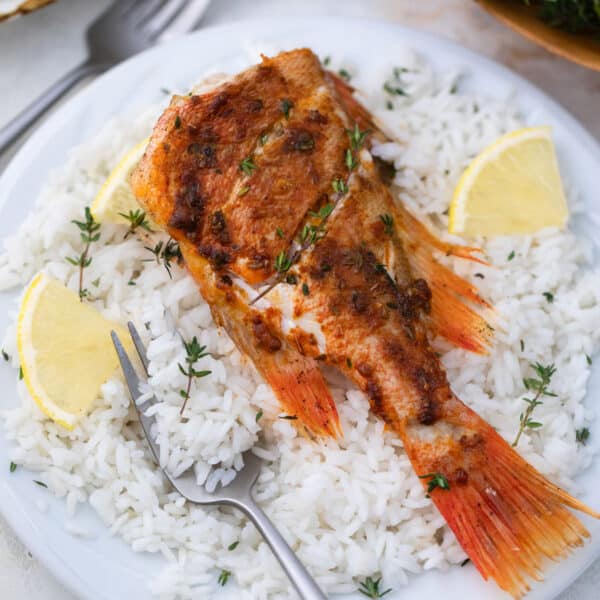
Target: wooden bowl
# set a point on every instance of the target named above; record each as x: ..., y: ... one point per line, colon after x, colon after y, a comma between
x: 582, y: 49
x: 21, y: 7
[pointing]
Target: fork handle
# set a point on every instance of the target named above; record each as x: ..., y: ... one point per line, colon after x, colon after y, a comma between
x: 301, y: 579
x: 10, y: 132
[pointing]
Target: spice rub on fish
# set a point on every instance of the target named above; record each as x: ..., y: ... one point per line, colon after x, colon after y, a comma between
x: 305, y: 257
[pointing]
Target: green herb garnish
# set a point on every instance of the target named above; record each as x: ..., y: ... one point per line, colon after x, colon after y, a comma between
x: 574, y: 16
x: 247, y: 166
x: 388, y: 222
x: 339, y: 186
x: 20, y: 373
x: 510, y: 256
x: 259, y: 415
x: 279, y: 232
x: 436, y: 480
x: 166, y: 253
x: 282, y: 262
x: 5, y: 356
x: 40, y: 483
x: 539, y: 385
x: 305, y: 289
x: 357, y: 137
x: 394, y: 90
x: 370, y: 588
x: 286, y: 105
x: 549, y: 297
x: 581, y: 435
x: 89, y: 231
x: 588, y: 359
x: 344, y: 74
x: 233, y: 546
x: 350, y: 160
x: 177, y: 122
x: 223, y: 577
x: 194, y: 352
x: 13, y: 467
x: 136, y: 218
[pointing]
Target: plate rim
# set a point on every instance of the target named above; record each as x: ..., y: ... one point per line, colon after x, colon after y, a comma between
x: 24, y: 529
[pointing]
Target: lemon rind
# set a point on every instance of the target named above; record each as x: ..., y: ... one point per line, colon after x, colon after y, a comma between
x: 27, y: 357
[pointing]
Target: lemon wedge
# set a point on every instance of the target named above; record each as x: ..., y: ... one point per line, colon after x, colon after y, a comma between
x: 65, y: 350
x: 115, y: 195
x: 512, y: 187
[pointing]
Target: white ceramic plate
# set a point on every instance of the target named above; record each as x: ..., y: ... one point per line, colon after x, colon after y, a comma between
x: 105, y: 568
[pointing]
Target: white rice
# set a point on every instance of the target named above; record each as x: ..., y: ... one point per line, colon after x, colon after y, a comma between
x: 349, y: 509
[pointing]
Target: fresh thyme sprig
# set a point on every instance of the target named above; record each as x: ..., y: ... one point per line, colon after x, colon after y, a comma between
x: 370, y: 588
x: 388, y: 222
x: 89, y: 231
x: 194, y: 352
x: 136, y: 218
x: 539, y: 385
x: 436, y: 480
x: 166, y: 253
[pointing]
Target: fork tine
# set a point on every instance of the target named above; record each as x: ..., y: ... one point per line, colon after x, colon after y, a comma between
x: 131, y: 377
x: 144, y: 9
x: 123, y: 6
x: 139, y: 345
x: 164, y: 17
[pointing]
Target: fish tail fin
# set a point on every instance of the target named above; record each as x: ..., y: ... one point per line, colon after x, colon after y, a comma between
x: 296, y: 379
x: 455, y: 302
x: 303, y: 392
x: 505, y: 514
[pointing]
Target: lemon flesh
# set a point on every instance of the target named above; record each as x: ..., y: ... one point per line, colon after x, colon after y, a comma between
x: 65, y: 350
x: 115, y: 195
x: 512, y: 187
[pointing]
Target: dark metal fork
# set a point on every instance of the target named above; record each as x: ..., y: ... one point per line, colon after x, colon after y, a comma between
x: 124, y: 29
x: 237, y: 494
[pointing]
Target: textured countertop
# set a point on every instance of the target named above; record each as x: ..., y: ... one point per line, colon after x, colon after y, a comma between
x: 37, y: 49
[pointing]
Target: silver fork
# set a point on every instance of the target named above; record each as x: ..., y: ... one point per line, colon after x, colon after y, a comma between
x: 236, y: 494
x: 124, y: 29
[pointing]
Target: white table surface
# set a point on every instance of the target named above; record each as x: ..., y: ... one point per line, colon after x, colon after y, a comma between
x: 37, y: 49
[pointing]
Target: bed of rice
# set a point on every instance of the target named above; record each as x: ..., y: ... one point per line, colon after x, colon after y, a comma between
x: 351, y: 508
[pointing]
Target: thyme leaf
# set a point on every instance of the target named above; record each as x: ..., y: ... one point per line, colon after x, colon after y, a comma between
x: 582, y: 435
x: 223, y: 577
x: 388, y: 222
x: 436, y: 480
x: 194, y: 352
x: 166, y: 253
x: 247, y: 166
x: 136, y: 218
x: 286, y: 105
x: 370, y: 588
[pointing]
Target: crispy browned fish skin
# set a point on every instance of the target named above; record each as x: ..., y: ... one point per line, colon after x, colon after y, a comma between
x: 358, y: 283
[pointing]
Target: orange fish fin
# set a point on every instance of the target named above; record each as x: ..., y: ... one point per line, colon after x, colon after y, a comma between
x: 455, y: 302
x: 296, y: 379
x: 302, y: 391
x: 505, y: 514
